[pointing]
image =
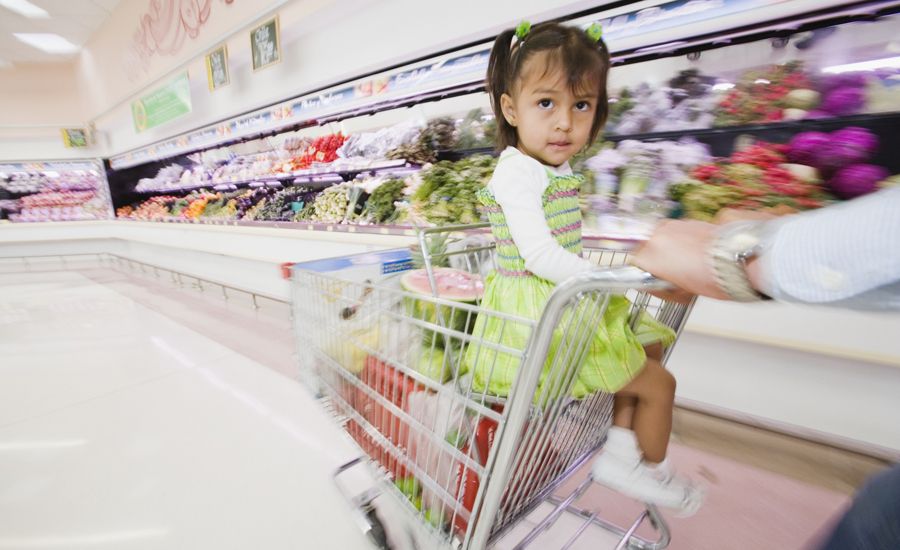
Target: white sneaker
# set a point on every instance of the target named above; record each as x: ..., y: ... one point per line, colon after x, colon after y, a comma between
x: 649, y: 485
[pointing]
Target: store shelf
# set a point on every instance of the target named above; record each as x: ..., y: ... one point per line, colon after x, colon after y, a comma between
x: 771, y: 132
x: 593, y: 240
x: 721, y: 140
x: 20, y: 194
x: 311, y: 177
x: 876, y: 120
x: 404, y: 230
x: 5, y: 193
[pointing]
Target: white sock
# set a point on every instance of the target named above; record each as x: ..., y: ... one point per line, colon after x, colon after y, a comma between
x: 622, y: 442
x: 661, y: 469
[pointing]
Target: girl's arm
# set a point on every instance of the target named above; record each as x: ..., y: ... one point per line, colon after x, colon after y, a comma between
x: 519, y: 188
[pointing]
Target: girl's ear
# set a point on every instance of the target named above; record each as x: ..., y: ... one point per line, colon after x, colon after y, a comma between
x: 509, y: 109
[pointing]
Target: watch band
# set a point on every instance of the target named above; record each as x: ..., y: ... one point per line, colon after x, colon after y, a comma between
x: 735, y: 245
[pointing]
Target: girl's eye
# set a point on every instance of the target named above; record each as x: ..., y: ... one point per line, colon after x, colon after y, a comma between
x: 545, y: 103
x: 583, y: 106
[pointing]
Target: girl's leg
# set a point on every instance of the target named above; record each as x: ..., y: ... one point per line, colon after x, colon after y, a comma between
x: 646, y: 404
x: 653, y: 389
x: 623, y: 405
x: 623, y: 410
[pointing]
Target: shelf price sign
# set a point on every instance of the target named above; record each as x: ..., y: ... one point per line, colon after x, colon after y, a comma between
x: 163, y: 104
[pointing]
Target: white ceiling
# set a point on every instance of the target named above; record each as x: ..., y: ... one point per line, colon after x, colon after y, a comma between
x: 75, y: 20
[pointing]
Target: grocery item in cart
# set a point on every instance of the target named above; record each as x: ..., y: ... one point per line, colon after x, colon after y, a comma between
x: 450, y: 284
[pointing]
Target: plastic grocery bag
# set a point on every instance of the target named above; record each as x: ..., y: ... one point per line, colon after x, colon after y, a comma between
x: 445, y: 426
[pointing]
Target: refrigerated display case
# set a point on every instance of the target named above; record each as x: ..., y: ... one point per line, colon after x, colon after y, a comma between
x: 47, y: 191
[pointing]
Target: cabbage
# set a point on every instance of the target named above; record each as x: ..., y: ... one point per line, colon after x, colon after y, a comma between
x: 857, y: 179
x: 847, y: 146
x: 804, y: 147
x: 843, y: 80
x: 844, y: 101
x: 858, y: 138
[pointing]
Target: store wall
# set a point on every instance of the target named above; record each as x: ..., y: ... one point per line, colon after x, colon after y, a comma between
x: 139, y: 44
x: 36, y: 100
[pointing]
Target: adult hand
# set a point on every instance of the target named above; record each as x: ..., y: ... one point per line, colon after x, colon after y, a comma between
x: 677, y: 252
x: 677, y: 295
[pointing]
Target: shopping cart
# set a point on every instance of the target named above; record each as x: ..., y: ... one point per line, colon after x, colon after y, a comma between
x: 463, y: 461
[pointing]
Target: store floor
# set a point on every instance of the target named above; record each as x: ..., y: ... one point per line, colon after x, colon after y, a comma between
x: 134, y: 414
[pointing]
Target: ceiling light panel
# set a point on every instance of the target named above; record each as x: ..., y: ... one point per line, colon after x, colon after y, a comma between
x: 48, y: 42
x: 25, y: 8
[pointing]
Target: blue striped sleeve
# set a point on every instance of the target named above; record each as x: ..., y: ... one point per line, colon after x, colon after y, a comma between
x: 846, y: 255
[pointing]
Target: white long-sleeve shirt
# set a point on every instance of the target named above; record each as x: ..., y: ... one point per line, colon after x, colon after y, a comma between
x: 518, y: 186
x: 846, y: 255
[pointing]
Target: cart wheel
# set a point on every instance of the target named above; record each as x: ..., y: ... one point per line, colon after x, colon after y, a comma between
x: 376, y: 532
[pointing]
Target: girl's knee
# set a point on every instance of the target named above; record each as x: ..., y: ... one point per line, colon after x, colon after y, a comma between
x: 654, y: 351
x: 663, y: 380
x: 671, y: 382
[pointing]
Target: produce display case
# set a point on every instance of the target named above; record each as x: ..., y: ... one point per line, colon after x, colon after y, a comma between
x: 46, y: 191
x: 684, y: 113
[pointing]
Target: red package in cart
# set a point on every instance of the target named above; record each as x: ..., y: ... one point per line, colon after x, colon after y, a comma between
x: 391, y: 386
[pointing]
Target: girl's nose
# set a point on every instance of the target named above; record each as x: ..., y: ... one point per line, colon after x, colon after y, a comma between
x: 564, y: 121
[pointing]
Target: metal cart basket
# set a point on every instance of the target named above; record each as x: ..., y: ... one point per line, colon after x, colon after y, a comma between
x: 401, y: 369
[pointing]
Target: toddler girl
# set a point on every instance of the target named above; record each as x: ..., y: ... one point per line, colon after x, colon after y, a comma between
x: 548, y: 91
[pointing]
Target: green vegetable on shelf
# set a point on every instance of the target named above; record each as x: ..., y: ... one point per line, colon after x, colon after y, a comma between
x: 331, y: 204
x: 381, y: 204
x: 448, y: 194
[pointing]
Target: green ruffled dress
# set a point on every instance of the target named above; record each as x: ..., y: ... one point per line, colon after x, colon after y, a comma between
x: 616, y: 353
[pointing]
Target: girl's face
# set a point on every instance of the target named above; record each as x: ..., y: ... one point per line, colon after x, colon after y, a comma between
x: 552, y: 122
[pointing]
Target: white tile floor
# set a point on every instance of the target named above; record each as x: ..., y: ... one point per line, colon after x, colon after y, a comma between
x: 120, y: 428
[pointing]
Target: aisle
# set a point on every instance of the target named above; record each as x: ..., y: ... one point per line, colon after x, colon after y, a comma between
x: 136, y: 415
x: 121, y: 428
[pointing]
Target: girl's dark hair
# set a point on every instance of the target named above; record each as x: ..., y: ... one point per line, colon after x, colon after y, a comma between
x: 584, y: 62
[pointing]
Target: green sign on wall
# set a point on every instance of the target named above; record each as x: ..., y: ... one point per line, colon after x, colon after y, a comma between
x: 163, y: 104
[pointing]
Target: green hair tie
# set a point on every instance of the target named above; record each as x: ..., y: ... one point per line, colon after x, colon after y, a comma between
x: 522, y: 30
x: 594, y: 32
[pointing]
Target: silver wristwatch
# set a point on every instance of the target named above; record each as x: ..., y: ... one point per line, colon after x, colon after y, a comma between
x: 734, y: 246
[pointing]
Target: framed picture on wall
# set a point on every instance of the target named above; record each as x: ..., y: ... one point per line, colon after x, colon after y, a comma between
x: 217, y: 68
x: 74, y: 137
x: 265, y: 44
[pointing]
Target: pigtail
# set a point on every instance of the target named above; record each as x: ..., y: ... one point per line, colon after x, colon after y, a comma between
x: 498, y: 76
x: 603, y: 98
